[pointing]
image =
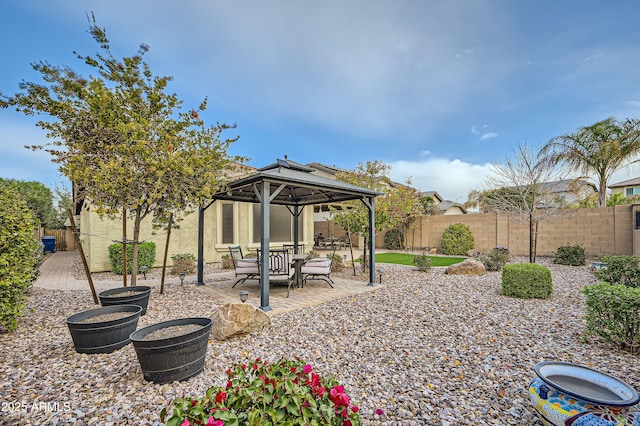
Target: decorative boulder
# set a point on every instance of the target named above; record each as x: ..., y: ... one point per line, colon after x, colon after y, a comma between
x: 237, y: 319
x: 467, y: 267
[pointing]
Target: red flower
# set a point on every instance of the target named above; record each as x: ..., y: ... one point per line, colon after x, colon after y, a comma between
x: 229, y: 384
x: 254, y: 366
x: 379, y: 411
x: 347, y: 423
x: 193, y: 403
x: 293, y: 369
x: 319, y: 391
x: 355, y: 409
x: 221, y: 397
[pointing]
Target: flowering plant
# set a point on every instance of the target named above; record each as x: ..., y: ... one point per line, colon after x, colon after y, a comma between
x: 260, y: 393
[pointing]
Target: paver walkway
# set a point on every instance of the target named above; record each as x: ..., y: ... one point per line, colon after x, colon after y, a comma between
x: 57, y: 273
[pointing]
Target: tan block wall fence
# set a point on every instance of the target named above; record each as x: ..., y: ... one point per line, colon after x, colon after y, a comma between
x: 609, y: 230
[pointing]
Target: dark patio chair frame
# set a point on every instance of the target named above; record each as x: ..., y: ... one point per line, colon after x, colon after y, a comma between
x: 236, y: 256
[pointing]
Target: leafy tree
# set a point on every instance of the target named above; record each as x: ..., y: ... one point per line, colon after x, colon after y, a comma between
x: 124, y: 140
x: 516, y: 188
x: 395, y: 209
x: 601, y: 149
x: 38, y: 197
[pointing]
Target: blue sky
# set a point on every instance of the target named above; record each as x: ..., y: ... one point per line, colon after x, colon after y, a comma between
x: 438, y: 90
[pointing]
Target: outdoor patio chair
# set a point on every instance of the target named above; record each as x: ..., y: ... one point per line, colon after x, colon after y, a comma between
x: 343, y: 241
x: 280, y: 269
x: 245, y: 268
x: 318, y: 268
x: 293, y: 248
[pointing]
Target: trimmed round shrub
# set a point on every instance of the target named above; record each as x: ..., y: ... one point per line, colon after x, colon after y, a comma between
x: 526, y: 281
x: 20, y: 255
x: 457, y: 239
x: 394, y: 240
x: 570, y: 255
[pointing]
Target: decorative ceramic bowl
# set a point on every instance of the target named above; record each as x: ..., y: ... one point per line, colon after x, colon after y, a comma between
x: 566, y: 394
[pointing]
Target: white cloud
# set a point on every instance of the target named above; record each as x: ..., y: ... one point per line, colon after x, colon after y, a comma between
x: 488, y: 135
x: 452, y: 179
x: 483, y: 132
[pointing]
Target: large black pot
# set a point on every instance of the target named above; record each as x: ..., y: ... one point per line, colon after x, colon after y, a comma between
x: 173, y: 358
x: 113, y: 297
x: 105, y: 336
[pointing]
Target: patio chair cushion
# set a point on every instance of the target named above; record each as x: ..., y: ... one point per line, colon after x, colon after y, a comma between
x: 247, y: 263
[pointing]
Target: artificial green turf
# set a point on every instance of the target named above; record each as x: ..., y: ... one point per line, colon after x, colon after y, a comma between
x: 407, y: 259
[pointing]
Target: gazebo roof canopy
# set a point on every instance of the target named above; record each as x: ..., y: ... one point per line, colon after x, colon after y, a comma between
x: 299, y: 186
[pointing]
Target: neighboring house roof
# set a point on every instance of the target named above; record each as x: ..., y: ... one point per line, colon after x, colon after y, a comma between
x: 630, y: 182
x: 448, y: 204
x: 433, y: 194
x: 567, y: 185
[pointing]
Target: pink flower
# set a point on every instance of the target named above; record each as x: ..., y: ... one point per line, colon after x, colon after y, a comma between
x: 337, y: 395
x: 379, y: 411
x: 307, y: 369
x: 185, y: 423
x: 213, y: 422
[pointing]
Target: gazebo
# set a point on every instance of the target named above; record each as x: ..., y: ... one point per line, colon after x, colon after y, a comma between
x: 294, y: 186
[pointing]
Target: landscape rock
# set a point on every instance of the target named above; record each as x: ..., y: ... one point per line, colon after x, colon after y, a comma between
x: 237, y: 319
x: 467, y: 267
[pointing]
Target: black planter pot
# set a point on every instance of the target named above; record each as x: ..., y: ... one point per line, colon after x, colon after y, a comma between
x: 105, y: 336
x: 173, y: 358
x: 112, y: 297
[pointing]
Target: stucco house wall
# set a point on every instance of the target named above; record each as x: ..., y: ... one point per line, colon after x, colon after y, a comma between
x: 97, y: 234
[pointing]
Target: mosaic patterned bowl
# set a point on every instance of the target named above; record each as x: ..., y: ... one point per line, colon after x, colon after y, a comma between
x: 566, y: 394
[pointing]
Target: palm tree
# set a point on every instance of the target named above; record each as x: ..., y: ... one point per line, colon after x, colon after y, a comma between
x: 599, y: 149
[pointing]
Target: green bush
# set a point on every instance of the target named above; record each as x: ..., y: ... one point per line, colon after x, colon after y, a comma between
x: 146, y: 256
x: 422, y: 262
x: 183, y: 262
x: 613, y: 313
x: 227, y: 263
x: 570, y: 255
x: 526, y: 280
x: 620, y: 270
x: 20, y: 255
x: 394, y: 240
x: 496, y: 259
x: 456, y: 239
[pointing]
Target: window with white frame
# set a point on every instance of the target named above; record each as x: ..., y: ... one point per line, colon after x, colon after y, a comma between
x: 280, y: 224
x: 632, y: 191
x: 228, y: 236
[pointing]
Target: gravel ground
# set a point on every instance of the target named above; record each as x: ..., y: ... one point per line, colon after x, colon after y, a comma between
x: 426, y: 348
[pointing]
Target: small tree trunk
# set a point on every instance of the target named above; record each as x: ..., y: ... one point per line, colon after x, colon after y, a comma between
x: 136, y: 248
x: 124, y: 247
x: 531, y: 238
x: 364, y: 254
x: 166, y: 251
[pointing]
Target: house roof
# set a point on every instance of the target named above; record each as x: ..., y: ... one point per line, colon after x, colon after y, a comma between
x: 567, y: 185
x: 630, y: 182
x: 293, y: 184
x: 433, y: 194
x: 447, y: 204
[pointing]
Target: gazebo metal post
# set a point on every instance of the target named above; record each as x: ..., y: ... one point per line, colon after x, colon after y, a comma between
x: 296, y: 216
x: 264, y: 245
x: 200, y: 280
x: 372, y: 240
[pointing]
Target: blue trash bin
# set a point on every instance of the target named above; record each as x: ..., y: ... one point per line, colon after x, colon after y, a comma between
x: 49, y: 244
